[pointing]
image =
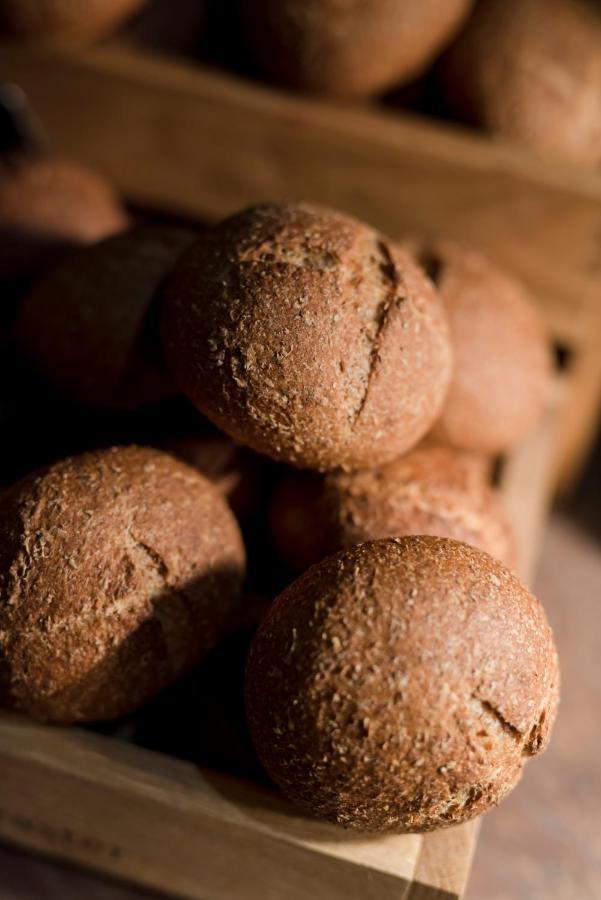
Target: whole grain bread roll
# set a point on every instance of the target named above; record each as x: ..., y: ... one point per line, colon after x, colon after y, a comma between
x: 352, y: 49
x: 433, y: 490
x: 119, y: 569
x: 502, y: 362
x: 408, y: 681
x: 308, y: 336
x: 69, y: 19
x: 48, y: 206
x: 530, y: 70
x: 90, y: 325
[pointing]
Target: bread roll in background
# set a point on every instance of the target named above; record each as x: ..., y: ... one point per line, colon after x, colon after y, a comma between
x: 119, y: 569
x: 48, y: 206
x: 308, y: 336
x: 90, y: 325
x: 530, y: 70
x: 352, y: 49
x: 502, y: 361
x: 433, y: 490
x: 64, y: 19
x: 401, y: 685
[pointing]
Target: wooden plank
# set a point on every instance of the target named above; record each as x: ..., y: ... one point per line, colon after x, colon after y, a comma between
x: 528, y: 480
x: 444, y: 863
x: 104, y: 804
x: 581, y: 417
x: 185, y: 138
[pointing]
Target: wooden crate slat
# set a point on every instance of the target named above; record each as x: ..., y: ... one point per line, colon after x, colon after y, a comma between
x: 162, y: 823
x: 527, y: 481
x: 182, y: 137
x: 444, y: 862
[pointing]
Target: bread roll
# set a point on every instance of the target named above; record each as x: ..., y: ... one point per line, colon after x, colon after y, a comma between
x: 90, y: 325
x: 401, y: 685
x: 71, y: 19
x: 502, y: 362
x: 48, y: 206
x: 530, y: 70
x: 306, y: 335
x: 119, y: 569
x: 352, y: 49
x: 432, y: 490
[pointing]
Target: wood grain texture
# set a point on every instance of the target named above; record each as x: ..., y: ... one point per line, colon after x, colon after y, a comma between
x: 196, y: 141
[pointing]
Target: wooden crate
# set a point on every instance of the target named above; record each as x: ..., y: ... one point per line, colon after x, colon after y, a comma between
x: 187, y: 139
x: 169, y: 825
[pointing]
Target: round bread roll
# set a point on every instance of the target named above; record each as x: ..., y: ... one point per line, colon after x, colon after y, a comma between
x: 502, y: 362
x: 119, y: 569
x: 530, y: 70
x: 48, y: 206
x: 90, y: 324
x: 408, y: 680
x: 72, y: 19
x: 432, y: 490
x: 233, y: 470
x: 306, y: 335
x: 352, y: 49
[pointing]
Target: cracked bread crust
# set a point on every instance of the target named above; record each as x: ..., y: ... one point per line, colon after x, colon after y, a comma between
x: 433, y: 489
x: 306, y: 335
x: 408, y: 680
x: 119, y: 569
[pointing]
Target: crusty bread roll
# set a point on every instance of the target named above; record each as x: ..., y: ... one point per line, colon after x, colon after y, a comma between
x: 307, y: 336
x: 352, y: 49
x: 72, y: 19
x: 401, y: 685
x: 47, y: 206
x: 432, y: 490
x: 119, y: 569
x: 90, y: 325
x: 530, y: 70
x: 502, y: 362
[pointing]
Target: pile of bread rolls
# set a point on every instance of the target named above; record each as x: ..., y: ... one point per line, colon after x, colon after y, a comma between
x: 404, y: 674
